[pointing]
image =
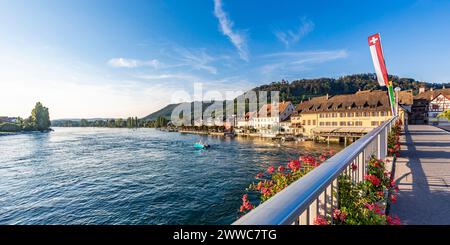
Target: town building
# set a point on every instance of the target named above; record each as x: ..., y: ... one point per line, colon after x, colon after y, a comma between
x: 246, y: 122
x: 428, y: 105
x: 269, y: 118
x: 342, y: 116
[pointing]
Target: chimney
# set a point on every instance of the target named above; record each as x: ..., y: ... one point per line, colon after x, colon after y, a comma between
x: 443, y: 86
x: 421, y: 90
x: 327, y: 96
x: 431, y: 89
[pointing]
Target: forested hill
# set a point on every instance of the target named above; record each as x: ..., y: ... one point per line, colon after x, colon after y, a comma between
x: 302, y: 89
x: 298, y: 90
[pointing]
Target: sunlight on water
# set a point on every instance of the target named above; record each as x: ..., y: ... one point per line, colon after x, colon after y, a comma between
x: 122, y: 176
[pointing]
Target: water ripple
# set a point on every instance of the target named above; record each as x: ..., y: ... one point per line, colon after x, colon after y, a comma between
x: 121, y: 176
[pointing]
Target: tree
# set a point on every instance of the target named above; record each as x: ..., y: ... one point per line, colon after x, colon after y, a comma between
x: 84, y: 123
x: 445, y: 114
x: 40, y: 117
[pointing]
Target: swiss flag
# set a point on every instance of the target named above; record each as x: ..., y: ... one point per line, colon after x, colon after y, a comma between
x: 378, y: 59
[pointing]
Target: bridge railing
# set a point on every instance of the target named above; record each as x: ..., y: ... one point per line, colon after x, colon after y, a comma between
x: 316, y: 193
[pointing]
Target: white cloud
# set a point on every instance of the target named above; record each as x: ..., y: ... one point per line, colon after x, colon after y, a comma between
x: 133, y: 63
x: 290, y: 37
x: 226, y: 26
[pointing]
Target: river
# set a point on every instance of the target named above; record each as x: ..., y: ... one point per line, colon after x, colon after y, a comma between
x: 124, y: 176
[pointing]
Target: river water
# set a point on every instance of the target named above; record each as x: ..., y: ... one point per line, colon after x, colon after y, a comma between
x: 124, y: 176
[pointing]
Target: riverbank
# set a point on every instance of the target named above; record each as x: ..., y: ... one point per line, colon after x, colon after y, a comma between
x: 6, y: 133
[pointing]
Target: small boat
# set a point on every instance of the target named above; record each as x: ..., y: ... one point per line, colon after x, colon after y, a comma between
x: 200, y: 145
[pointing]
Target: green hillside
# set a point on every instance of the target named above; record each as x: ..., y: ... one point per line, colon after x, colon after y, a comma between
x: 299, y: 90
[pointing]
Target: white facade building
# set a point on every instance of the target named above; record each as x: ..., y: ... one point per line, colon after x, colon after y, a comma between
x: 436, y: 106
x: 269, y: 118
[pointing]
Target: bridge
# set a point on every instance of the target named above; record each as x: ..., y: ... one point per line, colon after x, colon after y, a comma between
x: 423, y: 176
x: 422, y: 173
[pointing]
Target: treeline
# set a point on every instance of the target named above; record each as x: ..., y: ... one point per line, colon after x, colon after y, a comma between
x: 303, y: 89
x: 39, y: 120
x: 299, y: 90
x: 130, y: 122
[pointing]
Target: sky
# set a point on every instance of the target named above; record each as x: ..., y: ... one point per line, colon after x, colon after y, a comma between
x: 111, y: 58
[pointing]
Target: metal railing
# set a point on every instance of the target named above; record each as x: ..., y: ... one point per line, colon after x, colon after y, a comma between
x: 316, y: 193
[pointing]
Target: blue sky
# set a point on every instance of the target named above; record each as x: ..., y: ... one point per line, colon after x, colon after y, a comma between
x: 109, y: 58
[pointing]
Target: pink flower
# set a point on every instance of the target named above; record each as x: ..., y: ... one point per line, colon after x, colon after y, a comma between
x: 339, y: 215
x: 294, y: 165
x: 270, y: 170
x: 392, y: 184
x: 393, y: 198
x: 320, y: 220
x: 369, y: 206
x: 373, y: 179
x: 244, y: 197
x: 322, y: 158
x: 281, y: 169
x: 393, y: 220
x: 259, y: 175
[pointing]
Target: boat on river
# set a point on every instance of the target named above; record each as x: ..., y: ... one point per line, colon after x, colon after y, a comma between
x: 200, y: 145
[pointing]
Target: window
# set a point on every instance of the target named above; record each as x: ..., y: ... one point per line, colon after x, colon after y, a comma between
x: 350, y: 114
x: 358, y: 114
x: 383, y: 113
x: 342, y: 124
x: 309, y: 122
x: 358, y: 123
x: 350, y: 123
x: 374, y: 114
x: 328, y: 123
x: 374, y: 123
x: 342, y: 115
x: 314, y: 122
x: 334, y: 124
x: 366, y: 114
x: 304, y: 122
x: 334, y: 115
x: 321, y: 123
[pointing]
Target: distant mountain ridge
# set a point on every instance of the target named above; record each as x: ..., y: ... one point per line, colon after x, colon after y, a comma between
x: 303, y: 89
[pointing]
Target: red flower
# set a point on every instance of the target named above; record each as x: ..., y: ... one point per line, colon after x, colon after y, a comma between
x: 281, y: 169
x: 392, y: 184
x: 246, y: 205
x: 369, y: 206
x: 244, y: 197
x: 294, y: 165
x: 259, y: 175
x: 310, y: 160
x: 354, y: 167
x: 373, y: 179
x: 380, y: 193
x: 339, y: 215
x: 322, y: 158
x: 320, y: 220
x: 393, y: 198
x: 270, y: 170
x: 393, y: 220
